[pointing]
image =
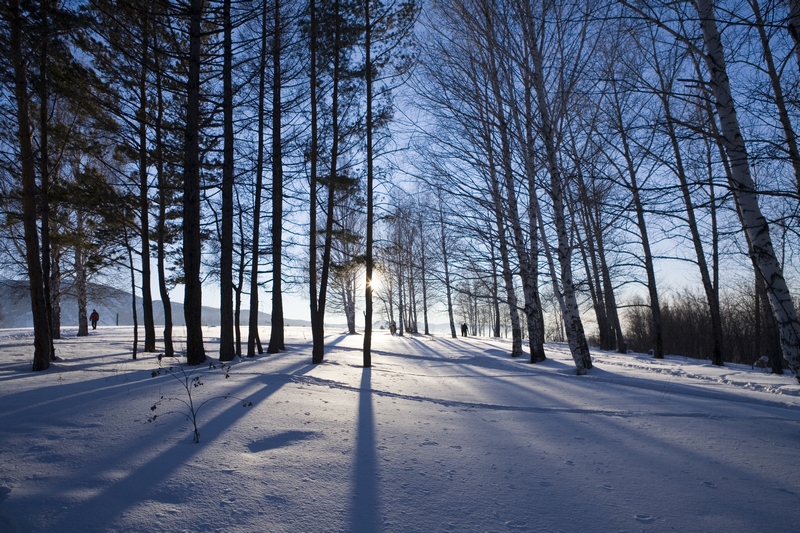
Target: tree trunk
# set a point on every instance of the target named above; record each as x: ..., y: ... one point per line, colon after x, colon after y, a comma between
x: 368, y: 289
x: 252, y: 326
x: 55, y: 292
x: 424, y: 282
x: 526, y: 271
x: 132, y: 267
x: 572, y: 319
x: 80, y: 278
x: 495, y: 290
x: 318, y: 347
x: 237, y: 312
x: 767, y: 335
x: 41, y: 326
x: 226, y: 343
x: 44, y: 164
x: 192, y: 245
x: 370, y: 187
x: 276, y: 336
x: 445, y: 264
x: 508, y: 275
x: 327, y: 247
x: 163, y: 187
x: 401, y: 303
x: 144, y: 200
x: 239, y: 287
x: 744, y: 193
x: 349, y: 307
x: 595, y: 289
x: 708, y: 287
x: 649, y: 264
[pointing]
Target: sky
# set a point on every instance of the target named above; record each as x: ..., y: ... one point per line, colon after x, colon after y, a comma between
x: 440, y: 434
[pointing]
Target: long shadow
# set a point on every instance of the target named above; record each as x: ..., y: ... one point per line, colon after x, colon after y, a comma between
x: 333, y: 344
x: 365, y: 499
x: 108, y: 504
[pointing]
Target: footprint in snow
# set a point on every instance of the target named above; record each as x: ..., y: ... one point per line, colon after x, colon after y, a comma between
x: 709, y: 484
x: 644, y: 519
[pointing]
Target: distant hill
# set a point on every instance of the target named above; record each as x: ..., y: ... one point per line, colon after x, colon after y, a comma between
x: 113, y: 305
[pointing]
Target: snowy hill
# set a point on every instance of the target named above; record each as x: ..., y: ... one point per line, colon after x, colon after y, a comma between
x: 114, y: 306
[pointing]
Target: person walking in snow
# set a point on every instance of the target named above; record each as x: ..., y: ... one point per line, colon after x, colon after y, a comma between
x: 95, y: 318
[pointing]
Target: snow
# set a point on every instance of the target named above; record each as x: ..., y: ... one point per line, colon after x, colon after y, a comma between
x: 440, y: 435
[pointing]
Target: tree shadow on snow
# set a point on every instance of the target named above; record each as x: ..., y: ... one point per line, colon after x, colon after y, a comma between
x: 365, y: 500
x: 113, y: 499
x: 287, y: 438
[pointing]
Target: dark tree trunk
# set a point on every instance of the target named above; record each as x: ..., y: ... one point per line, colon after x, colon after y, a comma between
x: 163, y: 187
x: 132, y: 267
x: 193, y: 296
x: 226, y: 344
x: 41, y: 326
x: 239, y: 287
x: 423, y: 274
x: 252, y: 326
x: 44, y: 165
x: 318, y: 349
x: 649, y: 264
x: 318, y: 328
x: 502, y: 243
x: 708, y: 286
x: 495, y: 290
x: 445, y: 264
x: 55, y: 294
x: 370, y: 187
x: 276, y: 336
x: 80, y: 278
x: 144, y: 200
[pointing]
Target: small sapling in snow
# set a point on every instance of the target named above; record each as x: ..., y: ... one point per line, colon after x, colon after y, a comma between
x: 190, y: 382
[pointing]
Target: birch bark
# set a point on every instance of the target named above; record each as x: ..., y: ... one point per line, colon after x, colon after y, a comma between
x: 744, y: 193
x: 572, y: 320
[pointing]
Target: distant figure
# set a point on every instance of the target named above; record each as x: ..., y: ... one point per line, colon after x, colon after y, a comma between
x: 95, y: 318
x: 392, y: 327
x: 464, y: 329
x: 761, y: 362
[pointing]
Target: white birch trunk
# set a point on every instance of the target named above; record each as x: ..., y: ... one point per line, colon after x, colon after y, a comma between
x: 754, y: 223
x: 572, y: 319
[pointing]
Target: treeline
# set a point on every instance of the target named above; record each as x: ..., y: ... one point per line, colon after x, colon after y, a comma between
x: 532, y: 166
x: 748, y: 327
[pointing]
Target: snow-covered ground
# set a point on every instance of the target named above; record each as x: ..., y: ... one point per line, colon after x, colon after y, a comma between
x: 440, y: 435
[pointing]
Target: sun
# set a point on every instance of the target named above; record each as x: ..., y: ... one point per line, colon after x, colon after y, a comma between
x: 376, y: 283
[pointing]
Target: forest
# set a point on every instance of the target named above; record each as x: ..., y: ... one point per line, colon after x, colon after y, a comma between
x: 609, y: 173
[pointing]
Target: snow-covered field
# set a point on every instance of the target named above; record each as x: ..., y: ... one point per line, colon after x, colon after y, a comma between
x: 440, y: 435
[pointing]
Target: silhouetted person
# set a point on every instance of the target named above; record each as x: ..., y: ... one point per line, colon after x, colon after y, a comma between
x: 464, y: 329
x: 95, y: 318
